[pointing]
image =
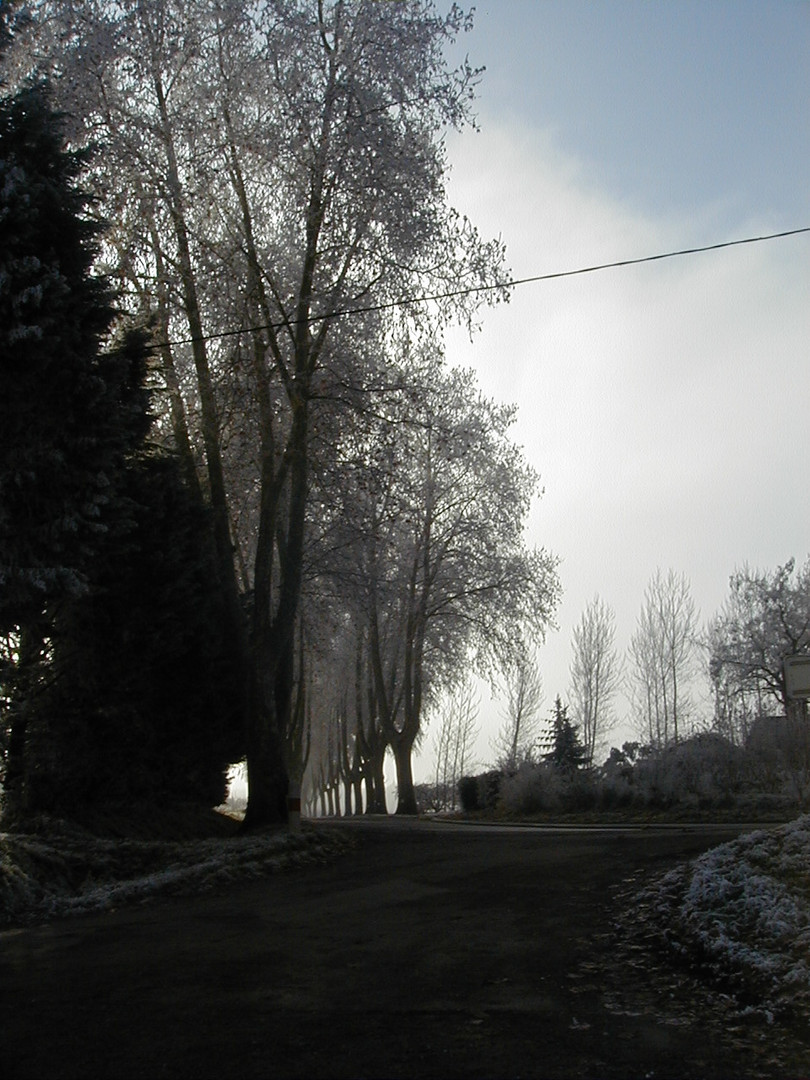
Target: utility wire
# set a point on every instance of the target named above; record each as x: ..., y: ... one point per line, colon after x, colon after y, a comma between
x: 407, y: 301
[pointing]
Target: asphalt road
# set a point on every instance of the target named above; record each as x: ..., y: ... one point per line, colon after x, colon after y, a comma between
x: 426, y: 951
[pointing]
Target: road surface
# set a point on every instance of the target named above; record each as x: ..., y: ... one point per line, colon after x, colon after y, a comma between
x: 426, y: 951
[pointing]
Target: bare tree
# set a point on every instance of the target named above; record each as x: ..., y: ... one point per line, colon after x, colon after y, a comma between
x: 662, y: 658
x: 453, y: 743
x: 523, y: 689
x: 596, y: 672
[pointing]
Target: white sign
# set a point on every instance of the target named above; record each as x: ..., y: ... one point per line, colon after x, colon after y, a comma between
x: 797, y: 676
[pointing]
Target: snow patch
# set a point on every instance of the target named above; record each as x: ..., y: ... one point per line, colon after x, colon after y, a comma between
x: 743, y: 911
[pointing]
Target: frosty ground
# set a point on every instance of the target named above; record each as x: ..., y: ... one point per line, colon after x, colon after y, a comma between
x: 742, y: 910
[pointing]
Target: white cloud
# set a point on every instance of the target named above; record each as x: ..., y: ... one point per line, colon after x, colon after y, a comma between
x: 663, y: 404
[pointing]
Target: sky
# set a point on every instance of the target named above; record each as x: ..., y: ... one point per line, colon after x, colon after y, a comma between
x: 665, y: 405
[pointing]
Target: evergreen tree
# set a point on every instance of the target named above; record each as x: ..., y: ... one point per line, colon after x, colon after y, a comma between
x: 61, y: 441
x: 13, y: 14
x: 567, y: 755
x: 142, y: 683
x: 112, y: 683
x: 60, y: 431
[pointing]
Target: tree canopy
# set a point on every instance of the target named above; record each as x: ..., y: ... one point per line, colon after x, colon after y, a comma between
x: 765, y: 618
x: 275, y: 174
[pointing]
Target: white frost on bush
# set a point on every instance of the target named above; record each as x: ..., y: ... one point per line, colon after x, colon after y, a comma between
x: 744, y: 908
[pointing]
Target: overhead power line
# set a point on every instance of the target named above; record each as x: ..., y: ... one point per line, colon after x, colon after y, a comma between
x: 407, y: 301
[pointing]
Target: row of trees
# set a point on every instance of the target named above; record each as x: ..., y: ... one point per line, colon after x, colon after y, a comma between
x: 740, y: 655
x: 744, y: 732
x: 272, y: 176
x: 657, y: 671
x: 750, y: 748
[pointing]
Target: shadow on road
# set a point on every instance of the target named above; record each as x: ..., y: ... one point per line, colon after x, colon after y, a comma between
x: 429, y: 950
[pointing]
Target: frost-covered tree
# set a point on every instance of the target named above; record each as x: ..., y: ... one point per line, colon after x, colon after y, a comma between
x: 111, y: 674
x: 288, y: 171
x: 453, y: 744
x: 517, y: 738
x: 58, y: 416
x: 662, y: 659
x: 432, y: 525
x: 765, y: 619
x: 63, y: 424
x: 595, y: 675
x: 12, y: 14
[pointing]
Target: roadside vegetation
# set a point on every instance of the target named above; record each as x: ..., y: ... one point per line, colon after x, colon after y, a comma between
x: 740, y: 915
x: 701, y: 778
x: 722, y: 732
x: 118, y: 859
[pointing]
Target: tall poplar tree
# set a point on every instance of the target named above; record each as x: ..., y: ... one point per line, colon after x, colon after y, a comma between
x: 287, y: 167
x: 595, y: 674
x: 662, y: 659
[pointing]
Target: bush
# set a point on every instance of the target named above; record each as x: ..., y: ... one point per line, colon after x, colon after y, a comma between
x: 532, y: 790
x: 580, y: 792
x: 703, y: 769
x: 468, y: 794
x: 489, y: 789
x: 615, y: 793
x: 479, y: 792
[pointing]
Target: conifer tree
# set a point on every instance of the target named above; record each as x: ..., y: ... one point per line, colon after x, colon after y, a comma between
x: 60, y: 426
x: 567, y: 755
x: 61, y: 438
x: 111, y: 678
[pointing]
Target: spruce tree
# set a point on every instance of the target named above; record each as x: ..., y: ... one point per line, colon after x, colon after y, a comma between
x: 59, y: 440
x: 60, y: 437
x: 112, y: 683
x: 567, y: 755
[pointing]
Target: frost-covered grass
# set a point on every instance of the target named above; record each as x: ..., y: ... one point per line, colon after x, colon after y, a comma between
x: 742, y: 911
x: 68, y: 871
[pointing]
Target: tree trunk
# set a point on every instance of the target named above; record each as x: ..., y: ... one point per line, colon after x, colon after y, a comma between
x: 368, y: 780
x: 236, y: 635
x: 375, y: 784
x: 406, y: 796
x: 177, y: 410
x: 205, y: 385
x: 268, y: 781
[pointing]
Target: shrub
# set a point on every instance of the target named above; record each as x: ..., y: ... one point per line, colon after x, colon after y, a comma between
x: 480, y: 792
x: 532, y: 790
x: 489, y: 789
x: 580, y: 792
x: 468, y: 794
